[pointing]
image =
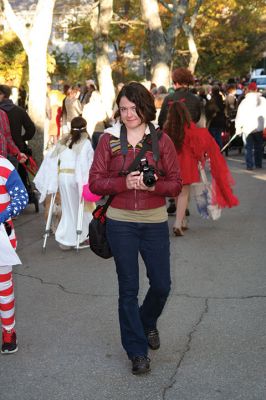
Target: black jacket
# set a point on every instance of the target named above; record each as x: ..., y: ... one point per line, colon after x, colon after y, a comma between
x: 21, y: 126
x: 191, y: 101
x: 214, y: 111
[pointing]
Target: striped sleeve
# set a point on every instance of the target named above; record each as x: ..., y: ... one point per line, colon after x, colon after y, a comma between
x: 18, y: 197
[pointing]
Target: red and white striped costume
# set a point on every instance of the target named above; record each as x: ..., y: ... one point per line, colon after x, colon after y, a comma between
x: 13, y: 199
x: 7, y: 299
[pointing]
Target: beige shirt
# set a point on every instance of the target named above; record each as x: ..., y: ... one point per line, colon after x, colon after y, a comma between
x: 73, y: 108
x: 154, y: 215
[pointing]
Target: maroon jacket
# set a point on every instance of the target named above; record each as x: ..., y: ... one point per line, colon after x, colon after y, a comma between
x: 104, y: 176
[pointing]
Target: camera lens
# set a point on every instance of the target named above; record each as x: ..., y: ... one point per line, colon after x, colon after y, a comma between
x: 149, y: 178
x: 148, y: 173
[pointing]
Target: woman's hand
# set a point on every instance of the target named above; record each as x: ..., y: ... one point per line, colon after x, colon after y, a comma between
x: 141, y: 186
x: 135, y: 181
x: 132, y: 179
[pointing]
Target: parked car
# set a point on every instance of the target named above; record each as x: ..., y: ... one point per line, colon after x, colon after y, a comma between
x: 257, y: 72
x: 260, y: 81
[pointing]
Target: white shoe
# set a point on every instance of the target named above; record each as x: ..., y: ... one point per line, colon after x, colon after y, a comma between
x: 64, y: 247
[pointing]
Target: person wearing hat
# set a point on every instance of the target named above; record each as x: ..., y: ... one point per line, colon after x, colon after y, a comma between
x: 250, y: 123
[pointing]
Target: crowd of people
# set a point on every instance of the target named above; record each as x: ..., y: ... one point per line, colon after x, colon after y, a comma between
x: 171, y: 135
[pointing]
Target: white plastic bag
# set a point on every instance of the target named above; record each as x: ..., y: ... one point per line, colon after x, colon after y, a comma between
x: 203, y: 197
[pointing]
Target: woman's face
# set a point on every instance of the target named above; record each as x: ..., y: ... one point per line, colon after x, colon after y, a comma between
x: 129, y: 114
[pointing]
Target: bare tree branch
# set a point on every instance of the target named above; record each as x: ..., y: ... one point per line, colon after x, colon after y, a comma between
x: 188, y: 29
x: 179, y: 13
x: 127, y: 23
x: 168, y: 6
x: 194, y: 16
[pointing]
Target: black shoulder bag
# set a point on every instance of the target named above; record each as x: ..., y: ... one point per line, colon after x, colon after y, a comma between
x: 97, y: 227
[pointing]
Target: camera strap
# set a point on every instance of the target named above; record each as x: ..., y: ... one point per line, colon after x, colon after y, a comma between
x: 148, y: 144
x: 135, y: 163
x: 133, y: 166
x: 154, y: 143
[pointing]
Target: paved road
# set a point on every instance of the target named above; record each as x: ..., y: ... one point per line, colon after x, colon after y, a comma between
x: 212, y: 330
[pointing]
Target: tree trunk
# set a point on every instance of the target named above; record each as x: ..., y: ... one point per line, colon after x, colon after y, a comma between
x: 100, y: 25
x: 35, y: 41
x: 104, y: 74
x: 162, y: 44
x: 194, y: 55
x: 37, y: 97
x: 188, y: 29
x: 160, y: 54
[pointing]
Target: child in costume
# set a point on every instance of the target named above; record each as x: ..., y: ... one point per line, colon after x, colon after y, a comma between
x: 67, y: 168
x: 13, y: 199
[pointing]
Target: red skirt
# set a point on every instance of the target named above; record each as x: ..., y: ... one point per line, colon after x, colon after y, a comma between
x: 188, y: 166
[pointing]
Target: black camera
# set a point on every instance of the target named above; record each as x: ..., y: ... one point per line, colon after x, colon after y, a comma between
x: 148, y: 173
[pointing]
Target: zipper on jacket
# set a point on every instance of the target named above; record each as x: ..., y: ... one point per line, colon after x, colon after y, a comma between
x: 135, y: 191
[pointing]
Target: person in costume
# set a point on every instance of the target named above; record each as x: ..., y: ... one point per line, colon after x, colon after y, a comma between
x: 250, y: 122
x: 192, y: 145
x: 137, y: 217
x: 13, y: 199
x: 183, y: 80
x: 67, y: 168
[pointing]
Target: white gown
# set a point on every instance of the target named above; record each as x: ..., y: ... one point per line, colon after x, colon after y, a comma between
x: 69, y: 173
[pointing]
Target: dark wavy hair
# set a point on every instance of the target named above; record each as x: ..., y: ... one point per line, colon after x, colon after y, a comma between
x: 141, y: 97
x: 177, y: 118
x: 78, y: 126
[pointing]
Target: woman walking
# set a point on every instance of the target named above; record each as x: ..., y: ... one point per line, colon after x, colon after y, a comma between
x: 137, y: 217
x: 192, y: 145
x: 71, y: 108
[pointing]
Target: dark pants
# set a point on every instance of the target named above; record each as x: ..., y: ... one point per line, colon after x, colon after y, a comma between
x: 127, y: 240
x: 95, y: 139
x: 254, y: 141
x: 216, y: 133
x: 23, y: 175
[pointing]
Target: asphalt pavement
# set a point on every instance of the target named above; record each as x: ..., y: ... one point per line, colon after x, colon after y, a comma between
x: 213, y: 328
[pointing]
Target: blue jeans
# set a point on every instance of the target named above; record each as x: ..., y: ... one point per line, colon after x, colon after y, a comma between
x: 216, y: 133
x: 254, y: 141
x: 127, y: 240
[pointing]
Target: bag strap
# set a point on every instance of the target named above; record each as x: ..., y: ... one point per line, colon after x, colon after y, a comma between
x: 107, y: 204
x: 202, y: 172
